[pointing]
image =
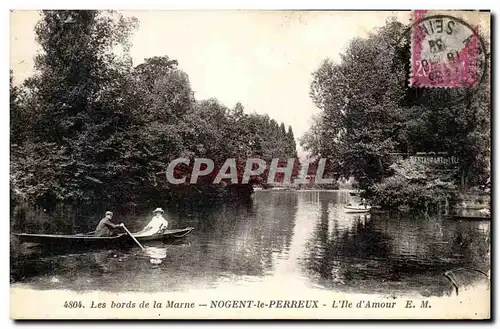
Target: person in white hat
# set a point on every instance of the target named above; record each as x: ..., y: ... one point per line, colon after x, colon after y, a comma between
x: 158, y: 224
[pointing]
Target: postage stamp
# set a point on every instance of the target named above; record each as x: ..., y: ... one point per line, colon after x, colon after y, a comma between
x: 262, y: 165
x: 445, y: 51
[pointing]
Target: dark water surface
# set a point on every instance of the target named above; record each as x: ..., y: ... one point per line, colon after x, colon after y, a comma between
x: 301, y: 236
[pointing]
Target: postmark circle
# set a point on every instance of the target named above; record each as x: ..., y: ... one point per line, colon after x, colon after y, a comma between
x: 450, y: 94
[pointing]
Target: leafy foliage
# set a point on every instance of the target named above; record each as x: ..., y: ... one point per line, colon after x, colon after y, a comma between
x: 90, y: 128
x: 413, y: 186
x: 368, y: 111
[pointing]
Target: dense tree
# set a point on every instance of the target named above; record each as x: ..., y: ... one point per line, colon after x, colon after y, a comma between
x: 77, y: 104
x: 16, y: 116
x: 90, y: 128
x: 368, y: 111
x: 360, y: 111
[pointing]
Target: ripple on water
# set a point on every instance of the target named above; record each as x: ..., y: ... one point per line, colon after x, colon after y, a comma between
x: 301, y: 237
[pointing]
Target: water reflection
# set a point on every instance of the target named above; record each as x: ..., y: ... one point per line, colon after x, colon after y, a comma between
x: 156, y: 254
x: 299, y: 237
x: 398, y: 253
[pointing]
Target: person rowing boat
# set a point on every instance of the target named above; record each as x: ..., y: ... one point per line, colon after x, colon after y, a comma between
x: 106, y: 227
x: 158, y: 224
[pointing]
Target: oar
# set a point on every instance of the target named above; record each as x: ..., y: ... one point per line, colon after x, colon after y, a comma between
x: 126, y: 229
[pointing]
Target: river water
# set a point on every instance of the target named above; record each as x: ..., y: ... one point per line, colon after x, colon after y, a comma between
x: 299, y: 238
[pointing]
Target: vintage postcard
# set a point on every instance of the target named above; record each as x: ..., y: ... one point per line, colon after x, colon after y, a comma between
x: 250, y: 164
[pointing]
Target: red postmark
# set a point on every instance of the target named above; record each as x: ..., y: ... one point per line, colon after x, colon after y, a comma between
x: 444, y: 51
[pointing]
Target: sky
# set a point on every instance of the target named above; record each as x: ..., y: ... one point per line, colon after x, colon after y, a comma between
x: 263, y: 59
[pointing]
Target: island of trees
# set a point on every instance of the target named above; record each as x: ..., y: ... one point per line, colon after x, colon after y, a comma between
x: 370, y: 118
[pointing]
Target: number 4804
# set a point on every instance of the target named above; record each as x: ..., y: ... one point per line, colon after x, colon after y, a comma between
x: 73, y: 304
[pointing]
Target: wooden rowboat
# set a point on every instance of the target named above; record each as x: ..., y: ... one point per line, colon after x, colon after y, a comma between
x: 357, y: 209
x: 57, y: 241
x: 479, y: 218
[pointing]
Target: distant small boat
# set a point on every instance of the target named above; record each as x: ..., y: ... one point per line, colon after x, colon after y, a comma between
x: 479, y: 218
x: 481, y: 214
x: 356, y: 209
x: 470, y: 207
